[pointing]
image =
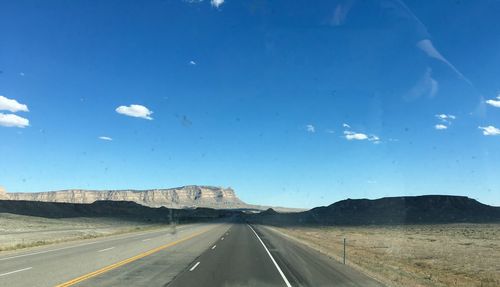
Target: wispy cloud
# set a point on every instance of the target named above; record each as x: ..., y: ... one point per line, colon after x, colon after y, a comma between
x: 310, y: 129
x: 216, y: 3
x: 137, y: 111
x: 105, y: 138
x: 12, y: 105
x: 346, y: 126
x: 426, y: 86
x: 490, y: 131
x: 193, y: 63
x: 495, y: 103
x: 440, y: 127
x: 11, y: 120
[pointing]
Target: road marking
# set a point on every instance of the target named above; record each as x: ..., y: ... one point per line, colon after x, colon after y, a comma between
x: 85, y: 244
x: 194, y: 267
x: 47, y: 251
x: 222, y: 238
x: 106, y: 249
x: 147, y: 239
x: 272, y: 258
x: 126, y: 261
x: 214, y: 247
x: 15, y: 271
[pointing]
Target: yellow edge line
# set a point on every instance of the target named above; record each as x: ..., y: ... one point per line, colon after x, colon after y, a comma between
x: 126, y: 261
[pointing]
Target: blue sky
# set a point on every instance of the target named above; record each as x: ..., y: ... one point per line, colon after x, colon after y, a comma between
x: 297, y: 105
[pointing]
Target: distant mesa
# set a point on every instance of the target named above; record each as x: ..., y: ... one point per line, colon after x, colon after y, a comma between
x: 191, y: 196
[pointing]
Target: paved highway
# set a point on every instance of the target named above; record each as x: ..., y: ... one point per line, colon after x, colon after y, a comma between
x: 219, y: 254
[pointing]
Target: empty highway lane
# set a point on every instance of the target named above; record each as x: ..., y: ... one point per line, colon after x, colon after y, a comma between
x: 219, y: 254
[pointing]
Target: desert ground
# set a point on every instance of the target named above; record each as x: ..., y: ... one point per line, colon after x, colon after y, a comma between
x: 18, y: 231
x: 417, y: 255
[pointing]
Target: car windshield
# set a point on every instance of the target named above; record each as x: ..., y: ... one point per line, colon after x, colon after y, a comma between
x: 249, y: 143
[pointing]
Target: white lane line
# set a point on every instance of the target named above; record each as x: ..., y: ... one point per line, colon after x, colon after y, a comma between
x: 15, y: 271
x: 272, y: 258
x: 106, y: 249
x: 89, y: 243
x: 194, y: 267
x: 214, y: 247
x: 222, y: 238
x: 147, y: 239
x: 47, y: 251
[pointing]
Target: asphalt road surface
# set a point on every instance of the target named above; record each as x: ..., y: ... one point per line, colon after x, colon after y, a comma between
x: 221, y: 254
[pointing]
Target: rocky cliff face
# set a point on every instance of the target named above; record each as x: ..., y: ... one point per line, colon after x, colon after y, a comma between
x: 3, y: 194
x: 182, y: 197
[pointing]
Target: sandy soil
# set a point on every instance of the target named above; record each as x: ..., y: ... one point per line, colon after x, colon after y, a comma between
x: 18, y: 231
x: 419, y: 255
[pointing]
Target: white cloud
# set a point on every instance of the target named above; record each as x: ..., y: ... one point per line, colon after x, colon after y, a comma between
x: 105, y: 138
x: 445, y: 120
x: 310, y: 128
x: 490, y: 131
x: 495, y: 103
x: 445, y: 117
x: 192, y: 63
x: 12, y: 105
x: 346, y: 125
x: 355, y: 136
x: 330, y: 131
x: 350, y: 135
x: 22, y: 74
x: 375, y: 139
x: 11, y: 120
x: 216, y: 3
x: 136, y: 111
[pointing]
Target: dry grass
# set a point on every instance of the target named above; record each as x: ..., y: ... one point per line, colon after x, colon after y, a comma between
x: 417, y: 255
x: 18, y: 231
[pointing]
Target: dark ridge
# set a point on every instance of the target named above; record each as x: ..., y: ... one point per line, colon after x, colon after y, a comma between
x: 115, y: 209
x: 428, y: 209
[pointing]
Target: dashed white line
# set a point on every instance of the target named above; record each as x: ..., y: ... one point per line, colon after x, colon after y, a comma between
x: 194, y: 267
x: 147, y: 239
x: 213, y: 247
x: 15, y: 271
x: 106, y: 249
x: 222, y: 238
x: 272, y: 258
